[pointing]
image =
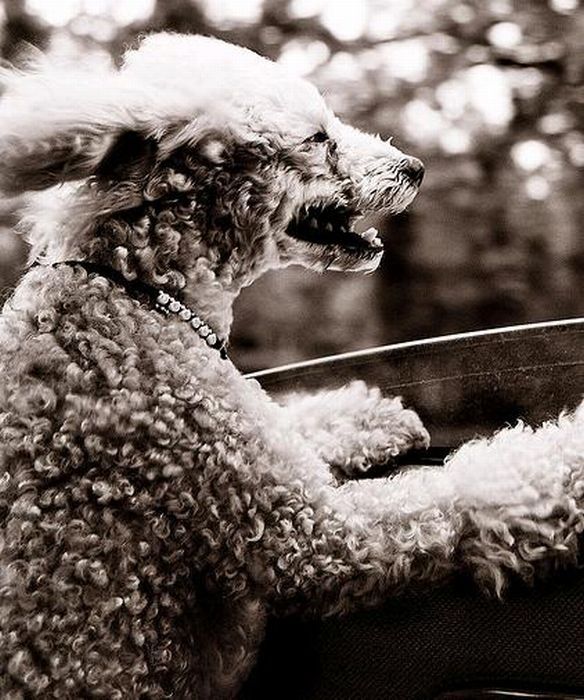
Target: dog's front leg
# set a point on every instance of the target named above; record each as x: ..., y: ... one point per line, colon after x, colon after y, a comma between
x: 355, y: 427
x: 345, y: 548
x: 508, y: 507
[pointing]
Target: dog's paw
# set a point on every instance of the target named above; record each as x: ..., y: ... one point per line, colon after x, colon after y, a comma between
x: 383, y: 432
x: 393, y: 435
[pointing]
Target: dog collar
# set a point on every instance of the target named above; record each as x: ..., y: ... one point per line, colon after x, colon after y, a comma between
x: 162, y: 301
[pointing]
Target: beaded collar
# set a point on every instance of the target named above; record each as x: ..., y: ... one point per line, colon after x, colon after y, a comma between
x: 162, y: 301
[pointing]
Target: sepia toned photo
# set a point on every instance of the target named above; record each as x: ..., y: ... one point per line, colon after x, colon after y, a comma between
x: 291, y: 376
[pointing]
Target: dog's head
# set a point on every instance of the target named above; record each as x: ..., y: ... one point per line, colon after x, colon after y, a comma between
x: 198, y: 150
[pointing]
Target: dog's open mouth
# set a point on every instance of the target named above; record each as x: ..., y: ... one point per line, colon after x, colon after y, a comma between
x: 331, y: 226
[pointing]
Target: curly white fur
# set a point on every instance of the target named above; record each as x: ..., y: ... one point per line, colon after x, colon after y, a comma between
x: 155, y: 505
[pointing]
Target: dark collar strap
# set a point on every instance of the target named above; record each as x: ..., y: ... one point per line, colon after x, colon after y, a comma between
x: 133, y: 287
x: 159, y: 299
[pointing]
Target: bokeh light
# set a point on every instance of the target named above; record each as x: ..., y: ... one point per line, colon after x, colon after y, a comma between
x: 229, y: 13
x: 505, y: 35
x: 346, y: 19
x: 564, y: 6
x: 61, y: 12
x: 303, y: 57
x: 531, y: 155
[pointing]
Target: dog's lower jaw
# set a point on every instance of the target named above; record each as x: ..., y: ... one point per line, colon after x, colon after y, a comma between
x: 367, y: 265
x: 322, y: 257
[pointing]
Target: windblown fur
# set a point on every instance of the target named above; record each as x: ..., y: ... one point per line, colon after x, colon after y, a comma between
x: 155, y: 505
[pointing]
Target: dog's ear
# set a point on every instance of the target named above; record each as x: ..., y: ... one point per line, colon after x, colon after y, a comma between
x: 130, y: 157
x: 59, y: 123
x: 36, y: 164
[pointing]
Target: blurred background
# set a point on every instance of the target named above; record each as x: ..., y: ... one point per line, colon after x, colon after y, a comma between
x: 488, y: 93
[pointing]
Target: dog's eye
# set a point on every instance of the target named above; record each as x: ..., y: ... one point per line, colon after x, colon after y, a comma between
x: 319, y: 137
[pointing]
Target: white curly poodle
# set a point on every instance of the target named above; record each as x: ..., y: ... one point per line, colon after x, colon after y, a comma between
x: 156, y: 505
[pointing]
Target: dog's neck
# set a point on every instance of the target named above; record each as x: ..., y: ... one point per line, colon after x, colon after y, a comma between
x: 211, y: 290
x: 167, y: 244
x: 205, y: 277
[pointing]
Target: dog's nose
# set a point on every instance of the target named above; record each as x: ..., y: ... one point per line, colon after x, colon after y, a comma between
x: 413, y: 168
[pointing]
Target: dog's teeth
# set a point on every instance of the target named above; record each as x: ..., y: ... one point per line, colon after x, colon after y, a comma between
x: 329, y: 227
x: 313, y: 223
x: 377, y: 240
x: 369, y: 235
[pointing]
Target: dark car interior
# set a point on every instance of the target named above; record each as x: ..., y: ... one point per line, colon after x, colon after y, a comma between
x: 452, y: 643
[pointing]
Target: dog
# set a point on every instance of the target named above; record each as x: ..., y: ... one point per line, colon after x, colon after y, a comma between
x: 156, y: 505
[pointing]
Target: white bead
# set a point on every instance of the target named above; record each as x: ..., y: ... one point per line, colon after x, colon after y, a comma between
x: 166, y: 304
